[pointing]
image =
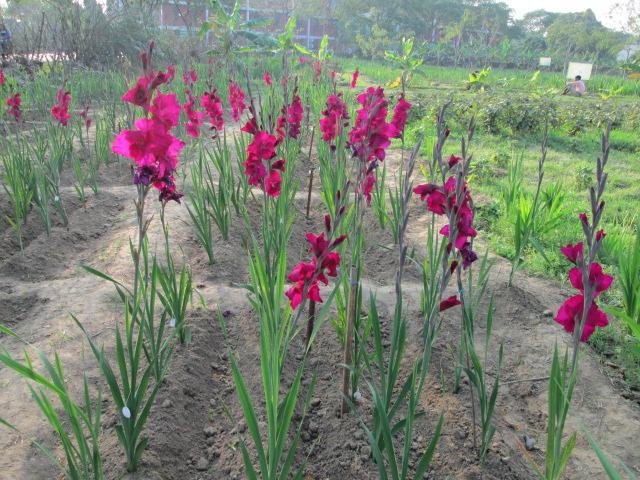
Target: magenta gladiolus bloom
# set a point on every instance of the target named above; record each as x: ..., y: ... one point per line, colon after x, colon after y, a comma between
x: 84, y: 115
x: 266, y: 78
x: 236, y: 100
x: 212, y: 106
x: 166, y: 109
x: 324, y: 264
x: 400, y: 116
x: 195, y: 117
x: 14, y: 103
x: 570, y: 314
x: 354, y: 78
x: 272, y: 183
x: 573, y: 252
x: 371, y: 134
x: 142, y: 92
x: 448, y: 303
x: 189, y: 77
x: 259, y: 167
x: 291, y: 119
x: 2, y: 79
x: 597, y: 278
x: 442, y: 200
x: 251, y: 127
x: 334, y: 117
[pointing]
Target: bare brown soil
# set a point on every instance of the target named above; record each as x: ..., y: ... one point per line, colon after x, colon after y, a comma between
x: 196, y: 426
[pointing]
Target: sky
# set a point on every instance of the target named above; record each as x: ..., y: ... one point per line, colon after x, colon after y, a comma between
x: 602, y: 8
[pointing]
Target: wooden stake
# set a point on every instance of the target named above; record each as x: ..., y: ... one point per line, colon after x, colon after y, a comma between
x: 310, y: 321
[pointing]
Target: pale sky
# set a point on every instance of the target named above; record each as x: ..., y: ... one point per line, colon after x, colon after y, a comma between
x: 602, y: 8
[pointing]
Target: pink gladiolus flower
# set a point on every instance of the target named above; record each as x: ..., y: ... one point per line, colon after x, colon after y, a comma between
x: 258, y: 166
x: 334, y: 116
x: 400, y: 116
x: 139, y: 94
x: 60, y: 111
x: 213, y: 108
x: 266, y: 78
x: 291, y: 119
x: 189, y: 77
x: 573, y: 252
x: 2, y: 79
x: 324, y: 264
x: 166, y: 109
x: 195, y: 117
x: 354, y: 78
x: 371, y: 134
x: 570, y: 314
x: 272, y: 183
x: 442, y: 200
x: 14, y: 103
x: 453, y: 161
x: 367, y: 187
x: 84, y: 115
x: 236, y: 100
x: 448, y: 303
x: 251, y: 127
x: 600, y: 280
x: 142, y: 92
x: 318, y: 243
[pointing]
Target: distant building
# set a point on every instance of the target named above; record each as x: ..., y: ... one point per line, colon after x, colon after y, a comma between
x: 185, y: 17
x: 627, y: 52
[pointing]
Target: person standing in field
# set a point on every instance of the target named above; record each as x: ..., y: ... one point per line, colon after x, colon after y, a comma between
x: 5, y: 41
x: 575, y: 88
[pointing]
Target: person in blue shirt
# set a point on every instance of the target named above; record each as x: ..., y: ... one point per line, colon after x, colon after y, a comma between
x: 5, y: 41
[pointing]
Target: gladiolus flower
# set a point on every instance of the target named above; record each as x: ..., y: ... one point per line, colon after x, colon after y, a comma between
x: 272, y: 183
x: 570, y: 314
x: 442, y: 200
x: 195, y: 117
x: 2, y: 79
x: 453, y: 161
x: 354, y: 78
x: 291, y: 119
x: 400, y: 116
x: 448, y: 303
x: 189, y: 77
x: 266, y: 78
x: 251, y: 127
x: 258, y: 166
x: 60, y: 111
x: 14, y: 102
x: 166, y: 109
x: 324, y: 264
x: 84, y: 115
x: 333, y: 118
x: 573, y: 252
x: 236, y: 100
x: 212, y: 106
x: 141, y: 93
x: 371, y: 134
x: 597, y: 278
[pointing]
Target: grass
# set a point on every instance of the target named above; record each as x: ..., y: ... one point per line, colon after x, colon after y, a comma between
x: 432, y: 76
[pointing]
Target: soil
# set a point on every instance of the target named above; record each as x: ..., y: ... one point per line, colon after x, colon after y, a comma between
x: 197, y: 424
